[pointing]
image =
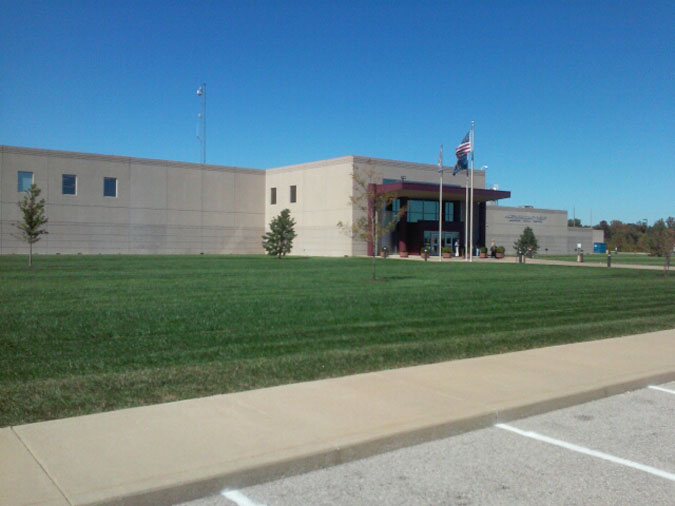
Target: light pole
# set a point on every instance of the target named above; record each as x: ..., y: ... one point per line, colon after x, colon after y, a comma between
x: 202, y: 120
x: 440, y: 204
x: 471, y: 220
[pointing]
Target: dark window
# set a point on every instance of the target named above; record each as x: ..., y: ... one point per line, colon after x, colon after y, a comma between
x: 273, y: 195
x: 293, y: 193
x: 422, y: 210
x: 25, y: 181
x: 69, y: 184
x: 449, y: 211
x: 110, y: 187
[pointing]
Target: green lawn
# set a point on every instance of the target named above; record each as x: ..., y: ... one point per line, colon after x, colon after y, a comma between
x: 82, y: 334
x: 621, y: 258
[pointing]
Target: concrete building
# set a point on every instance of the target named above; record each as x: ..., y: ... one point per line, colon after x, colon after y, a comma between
x: 323, y: 190
x: 114, y: 204
x: 506, y: 224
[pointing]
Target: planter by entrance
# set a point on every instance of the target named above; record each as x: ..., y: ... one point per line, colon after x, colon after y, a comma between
x: 499, y: 255
x: 446, y: 255
x: 403, y: 254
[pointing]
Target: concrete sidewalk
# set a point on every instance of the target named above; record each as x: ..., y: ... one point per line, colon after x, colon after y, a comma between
x: 616, y: 264
x: 179, y: 451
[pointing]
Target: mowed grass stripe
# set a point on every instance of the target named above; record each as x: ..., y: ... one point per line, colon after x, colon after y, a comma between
x: 165, y: 328
x: 458, y: 324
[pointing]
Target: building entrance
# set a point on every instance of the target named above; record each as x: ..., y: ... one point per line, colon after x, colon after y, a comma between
x: 431, y: 240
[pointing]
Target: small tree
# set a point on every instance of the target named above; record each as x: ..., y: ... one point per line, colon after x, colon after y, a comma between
x: 527, y: 242
x: 661, y: 241
x: 370, y: 206
x: 32, y: 227
x: 279, y: 240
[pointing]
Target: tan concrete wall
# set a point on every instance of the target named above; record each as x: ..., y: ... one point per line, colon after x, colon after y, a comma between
x: 161, y: 207
x: 420, y: 172
x: 579, y: 235
x: 323, y: 192
x: 323, y: 198
x: 598, y: 236
x: 505, y: 225
x: 173, y: 207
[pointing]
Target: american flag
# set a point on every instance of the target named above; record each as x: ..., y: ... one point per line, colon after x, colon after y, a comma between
x: 464, y: 146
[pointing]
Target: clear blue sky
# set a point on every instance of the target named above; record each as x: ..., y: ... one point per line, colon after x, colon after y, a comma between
x: 573, y: 101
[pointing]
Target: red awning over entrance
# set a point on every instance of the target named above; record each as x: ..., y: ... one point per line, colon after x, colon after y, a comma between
x: 429, y: 191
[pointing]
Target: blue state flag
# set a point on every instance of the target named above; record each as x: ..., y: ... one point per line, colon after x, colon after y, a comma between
x: 462, y: 164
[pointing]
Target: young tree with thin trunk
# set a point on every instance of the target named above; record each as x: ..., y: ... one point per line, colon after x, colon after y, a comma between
x: 31, y: 229
x: 661, y: 241
x: 370, y: 207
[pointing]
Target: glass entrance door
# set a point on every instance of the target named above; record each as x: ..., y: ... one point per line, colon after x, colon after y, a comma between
x: 431, y: 240
x: 450, y: 239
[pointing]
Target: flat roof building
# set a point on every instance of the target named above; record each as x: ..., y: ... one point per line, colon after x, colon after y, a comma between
x: 114, y: 204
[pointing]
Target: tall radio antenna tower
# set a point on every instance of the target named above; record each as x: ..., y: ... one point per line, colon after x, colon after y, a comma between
x: 202, y: 121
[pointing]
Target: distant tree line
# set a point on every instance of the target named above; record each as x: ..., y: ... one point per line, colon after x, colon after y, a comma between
x: 657, y: 239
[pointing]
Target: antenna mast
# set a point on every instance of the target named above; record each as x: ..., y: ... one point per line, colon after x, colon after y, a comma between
x: 202, y: 121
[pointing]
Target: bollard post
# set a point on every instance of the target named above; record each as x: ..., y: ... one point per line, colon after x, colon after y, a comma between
x: 609, y: 259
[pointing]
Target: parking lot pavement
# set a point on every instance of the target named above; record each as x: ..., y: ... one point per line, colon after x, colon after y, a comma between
x: 618, y: 450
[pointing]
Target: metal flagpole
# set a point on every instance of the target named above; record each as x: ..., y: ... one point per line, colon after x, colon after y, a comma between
x: 466, y: 217
x: 471, y: 221
x: 440, y: 203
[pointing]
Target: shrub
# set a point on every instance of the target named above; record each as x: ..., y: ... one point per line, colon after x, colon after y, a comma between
x: 527, y: 242
x: 279, y: 241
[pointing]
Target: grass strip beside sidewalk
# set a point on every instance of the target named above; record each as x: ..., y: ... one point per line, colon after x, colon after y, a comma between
x: 83, y: 334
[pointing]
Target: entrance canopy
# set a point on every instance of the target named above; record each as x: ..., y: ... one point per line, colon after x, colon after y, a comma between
x: 429, y: 191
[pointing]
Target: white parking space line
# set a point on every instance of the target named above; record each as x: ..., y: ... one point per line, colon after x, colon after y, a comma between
x: 239, y: 498
x: 661, y: 389
x: 588, y: 451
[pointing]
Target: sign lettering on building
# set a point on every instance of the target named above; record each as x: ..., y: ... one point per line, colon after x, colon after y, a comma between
x: 525, y: 218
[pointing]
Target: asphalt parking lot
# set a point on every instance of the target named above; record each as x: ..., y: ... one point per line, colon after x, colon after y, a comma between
x: 618, y: 450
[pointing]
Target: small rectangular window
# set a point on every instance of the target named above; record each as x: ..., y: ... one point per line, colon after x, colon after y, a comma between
x: 25, y: 181
x: 110, y: 187
x: 69, y: 184
x: 293, y: 194
x: 273, y: 196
